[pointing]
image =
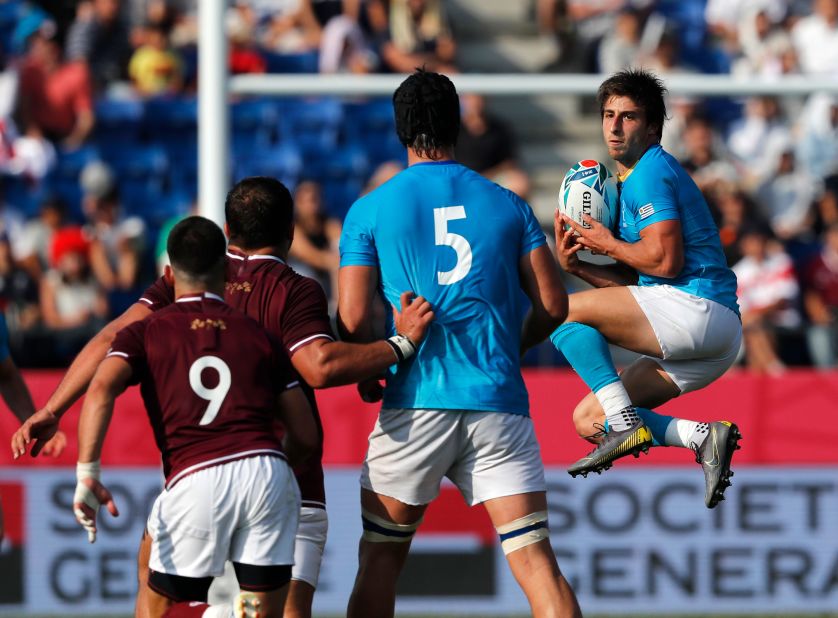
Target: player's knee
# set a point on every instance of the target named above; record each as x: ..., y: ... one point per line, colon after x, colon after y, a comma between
x: 523, y: 531
x: 379, y: 530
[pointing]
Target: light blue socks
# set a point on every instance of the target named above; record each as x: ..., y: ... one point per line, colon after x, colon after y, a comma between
x: 587, y: 352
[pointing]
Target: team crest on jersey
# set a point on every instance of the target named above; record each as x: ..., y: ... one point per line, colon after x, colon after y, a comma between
x: 238, y: 286
x: 198, y: 323
x: 646, y: 210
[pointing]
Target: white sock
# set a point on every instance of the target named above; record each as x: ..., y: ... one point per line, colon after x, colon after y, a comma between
x: 617, y: 406
x: 685, y: 433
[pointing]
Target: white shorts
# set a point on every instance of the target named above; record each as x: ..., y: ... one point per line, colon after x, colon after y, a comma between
x: 308, y: 555
x: 310, y: 542
x: 699, y: 338
x: 245, y: 511
x: 485, y: 454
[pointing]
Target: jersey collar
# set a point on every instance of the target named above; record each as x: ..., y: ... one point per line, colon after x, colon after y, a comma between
x: 236, y: 255
x: 441, y: 162
x: 192, y: 298
x: 624, y: 177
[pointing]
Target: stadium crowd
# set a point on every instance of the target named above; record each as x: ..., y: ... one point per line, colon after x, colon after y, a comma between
x: 98, y: 144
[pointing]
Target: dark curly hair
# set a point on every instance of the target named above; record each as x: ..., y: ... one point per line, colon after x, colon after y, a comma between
x: 427, y: 112
x: 643, y: 88
x: 259, y: 212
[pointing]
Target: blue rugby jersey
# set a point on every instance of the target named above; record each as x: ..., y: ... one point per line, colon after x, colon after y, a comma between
x: 659, y: 189
x: 452, y: 236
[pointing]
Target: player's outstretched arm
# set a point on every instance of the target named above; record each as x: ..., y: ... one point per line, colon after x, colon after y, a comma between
x: 16, y: 395
x: 14, y: 392
x: 568, y: 246
x: 541, y: 283
x: 324, y: 363
x: 301, y: 436
x: 110, y: 380
x: 42, y: 425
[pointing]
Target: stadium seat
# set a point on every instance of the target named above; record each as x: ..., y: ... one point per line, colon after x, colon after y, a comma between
x: 341, y: 176
x: 173, y: 125
x: 118, y: 119
x: 166, y: 206
x: 180, y: 113
x: 189, y: 58
x: 306, y: 62
x: 254, y: 124
x: 141, y: 175
x: 283, y: 162
x: 64, y: 179
x: 313, y: 125
x: 22, y: 195
x: 371, y: 126
x: 10, y: 14
x: 183, y: 173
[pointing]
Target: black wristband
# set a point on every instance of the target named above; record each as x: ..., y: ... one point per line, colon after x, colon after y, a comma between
x: 402, y: 346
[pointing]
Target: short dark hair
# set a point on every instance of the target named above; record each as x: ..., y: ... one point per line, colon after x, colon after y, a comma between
x: 196, y: 248
x: 259, y: 212
x: 642, y: 87
x: 427, y: 111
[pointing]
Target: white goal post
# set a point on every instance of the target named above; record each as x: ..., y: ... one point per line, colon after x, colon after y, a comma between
x: 215, y: 87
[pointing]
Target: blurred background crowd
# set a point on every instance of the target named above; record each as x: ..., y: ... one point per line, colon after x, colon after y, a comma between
x: 98, y: 139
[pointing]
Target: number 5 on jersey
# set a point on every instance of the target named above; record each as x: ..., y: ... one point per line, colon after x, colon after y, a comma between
x: 215, y: 395
x: 458, y: 243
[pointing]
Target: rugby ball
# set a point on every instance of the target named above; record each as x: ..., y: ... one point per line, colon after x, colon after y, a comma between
x: 589, y: 188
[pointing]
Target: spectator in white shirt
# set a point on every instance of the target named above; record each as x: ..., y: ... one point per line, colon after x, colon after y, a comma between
x: 768, y: 294
x: 815, y: 39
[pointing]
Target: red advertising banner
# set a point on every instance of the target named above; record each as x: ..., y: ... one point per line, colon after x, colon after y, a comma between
x: 784, y: 420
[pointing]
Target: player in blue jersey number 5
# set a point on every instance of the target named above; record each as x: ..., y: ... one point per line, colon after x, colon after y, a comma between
x: 458, y: 406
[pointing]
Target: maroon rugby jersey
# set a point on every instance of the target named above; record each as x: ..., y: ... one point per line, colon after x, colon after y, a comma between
x: 292, y: 308
x: 210, y: 377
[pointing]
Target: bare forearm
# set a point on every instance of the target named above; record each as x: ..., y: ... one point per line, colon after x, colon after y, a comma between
x: 101, y: 267
x: 336, y: 363
x: 648, y: 258
x: 127, y: 270
x: 83, y: 127
x: 83, y: 368
x: 93, y: 424
x: 816, y: 309
x: 605, y: 275
x: 110, y: 380
x: 14, y: 392
x: 81, y: 371
x: 537, y: 327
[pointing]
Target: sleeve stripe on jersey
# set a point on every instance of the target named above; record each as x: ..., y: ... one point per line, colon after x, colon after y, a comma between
x: 145, y: 300
x: 116, y: 353
x: 307, y: 339
x: 293, y: 384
